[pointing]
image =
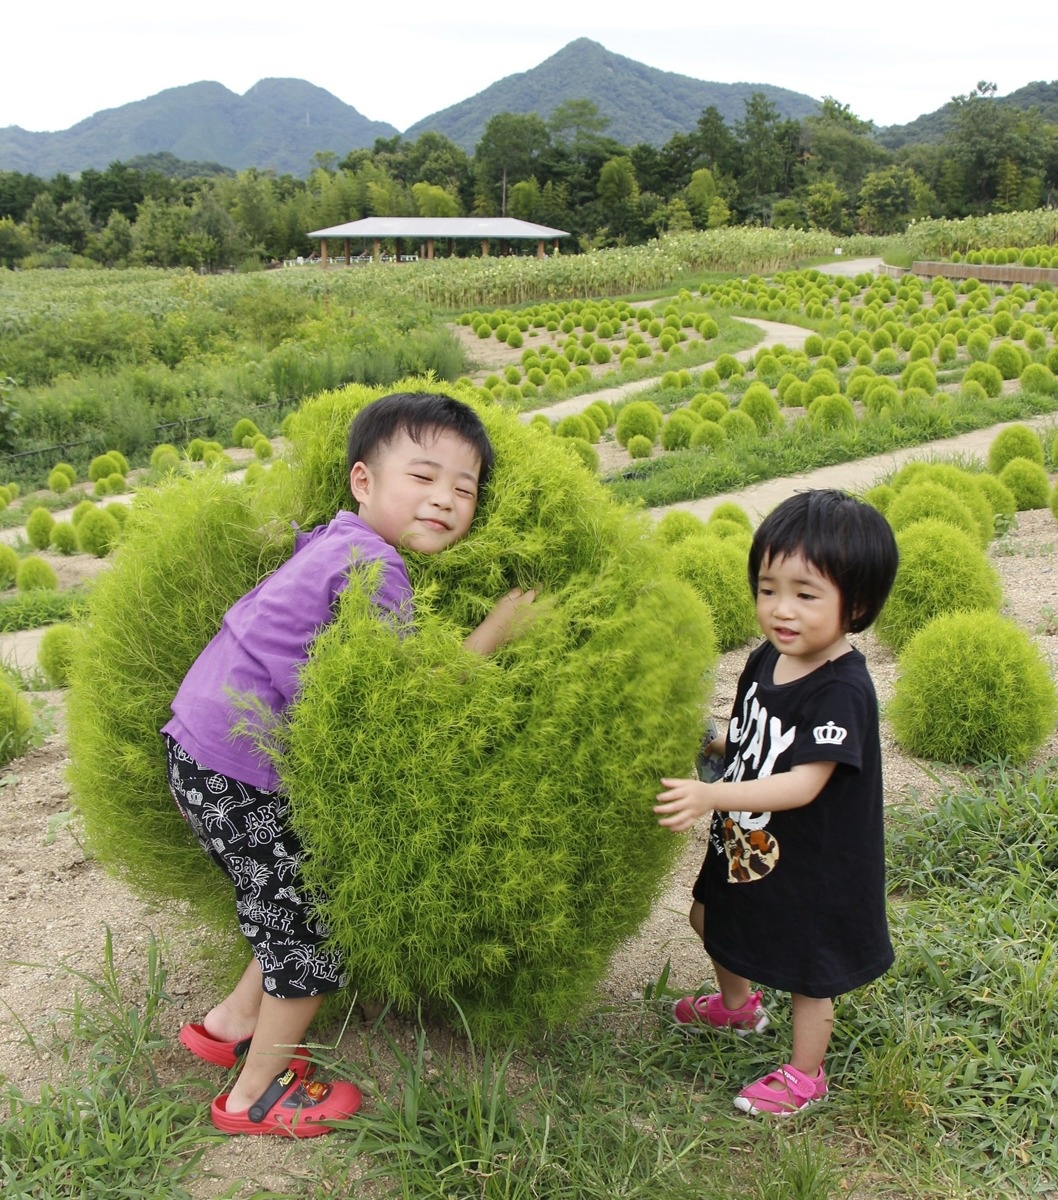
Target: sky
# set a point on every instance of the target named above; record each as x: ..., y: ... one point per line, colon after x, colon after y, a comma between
x: 400, y: 62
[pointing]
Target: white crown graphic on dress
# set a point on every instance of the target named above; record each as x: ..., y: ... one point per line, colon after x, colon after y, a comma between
x: 829, y: 734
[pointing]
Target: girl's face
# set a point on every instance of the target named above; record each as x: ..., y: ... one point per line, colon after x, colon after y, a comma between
x: 800, y: 611
x: 419, y: 497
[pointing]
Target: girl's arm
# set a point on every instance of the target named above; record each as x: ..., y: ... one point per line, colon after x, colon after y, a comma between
x: 686, y: 800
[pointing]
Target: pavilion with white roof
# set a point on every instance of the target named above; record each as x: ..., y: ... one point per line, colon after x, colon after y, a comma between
x: 425, y: 232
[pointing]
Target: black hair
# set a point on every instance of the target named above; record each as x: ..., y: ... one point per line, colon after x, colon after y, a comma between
x: 844, y: 538
x: 417, y: 414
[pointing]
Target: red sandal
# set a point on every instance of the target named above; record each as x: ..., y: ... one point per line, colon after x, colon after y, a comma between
x: 205, y: 1046
x: 290, y: 1107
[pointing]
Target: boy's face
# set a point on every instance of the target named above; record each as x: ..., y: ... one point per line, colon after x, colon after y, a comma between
x: 419, y: 497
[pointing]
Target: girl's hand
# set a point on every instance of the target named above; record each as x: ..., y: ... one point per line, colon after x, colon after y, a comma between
x: 508, y: 618
x: 684, y: 802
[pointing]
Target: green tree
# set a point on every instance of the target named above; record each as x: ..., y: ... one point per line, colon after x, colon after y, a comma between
x: 758, y: 136
x: 73, y: 224
x: 618, y: 190
x: 578, y: 125
x: 700, y: 194
x: 991, y: 141
x: 717, y: 146
x: 510, y: 148
x: 826, y: 206
x: 17, y: 193
x: 890, y: 198
x: 112, y: 245
x: 117, y: 189
x: 15, y: 242
x: 431, y: 200
x: 840, y: 147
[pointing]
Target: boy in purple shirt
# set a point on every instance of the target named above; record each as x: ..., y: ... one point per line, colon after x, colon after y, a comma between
x: 417, y: 464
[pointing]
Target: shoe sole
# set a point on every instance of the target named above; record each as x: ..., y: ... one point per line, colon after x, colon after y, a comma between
x: 751, y: 1110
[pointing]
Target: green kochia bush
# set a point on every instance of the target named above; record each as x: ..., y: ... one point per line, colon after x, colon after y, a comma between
x: 481, y: 828
x: 972, y: 687
x: 941, y: 570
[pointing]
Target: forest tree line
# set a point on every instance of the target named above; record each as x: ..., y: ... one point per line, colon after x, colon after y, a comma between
x: 825, y: 172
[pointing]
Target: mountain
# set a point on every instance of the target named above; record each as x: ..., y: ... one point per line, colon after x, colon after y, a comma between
x: 931, y: 127
x: 643, y: 103
x: 278, y: 124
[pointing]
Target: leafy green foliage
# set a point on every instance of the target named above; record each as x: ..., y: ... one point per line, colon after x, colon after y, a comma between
x: 98, y: 532
x: 16, y: 721
x: 972, y: 688
x: 1016, y: 441
x: 39, y: 525
x: 9, y: 561
x: 30, y: 610
x: 942, y: 570
x: 193, y: 546
x: 924, y: 500
x: 55, y: 651
x: 1027, y: 482
x: 35, y: 574
x: 716, y: 569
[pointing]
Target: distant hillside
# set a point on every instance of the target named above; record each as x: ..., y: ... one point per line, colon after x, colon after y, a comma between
x: 278, y: 124
x: 931, y: 127
x: 643, y: 104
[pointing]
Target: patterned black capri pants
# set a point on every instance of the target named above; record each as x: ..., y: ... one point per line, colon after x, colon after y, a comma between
x: 244, y: 830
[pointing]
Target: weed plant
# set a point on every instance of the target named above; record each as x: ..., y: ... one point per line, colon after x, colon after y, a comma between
x: 108, y: 1128
x: 30, y: 610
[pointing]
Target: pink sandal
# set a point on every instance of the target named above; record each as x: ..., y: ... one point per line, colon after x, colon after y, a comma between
x: 698, y: 1013
x: 797, y: 1092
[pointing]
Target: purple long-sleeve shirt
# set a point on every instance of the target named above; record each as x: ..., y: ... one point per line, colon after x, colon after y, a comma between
x: 264, y: 640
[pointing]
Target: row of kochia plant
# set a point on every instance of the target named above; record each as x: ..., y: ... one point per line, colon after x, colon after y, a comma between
x: 892, y: 356
x: 575, y: 335
x: 1021, y: 256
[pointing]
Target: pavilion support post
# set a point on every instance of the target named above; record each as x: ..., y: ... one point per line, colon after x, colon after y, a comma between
x: 540, y: 248
x: 376, y: 249
x: 323, y: 252
x: 451, y: 247
x: 484, y: 247
x: 398, y: 248
x: 429, y: 248
x: 348, y: 258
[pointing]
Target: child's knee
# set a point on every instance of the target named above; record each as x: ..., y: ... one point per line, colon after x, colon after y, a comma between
x: 696, y: 917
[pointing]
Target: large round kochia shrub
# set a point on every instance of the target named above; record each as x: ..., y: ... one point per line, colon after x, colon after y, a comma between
x: 941, y: 570
x: 972, y: 687
x: 482, y: 828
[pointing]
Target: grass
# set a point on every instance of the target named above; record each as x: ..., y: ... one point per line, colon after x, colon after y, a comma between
x: 108, y: 1128
x: 942, y: 1072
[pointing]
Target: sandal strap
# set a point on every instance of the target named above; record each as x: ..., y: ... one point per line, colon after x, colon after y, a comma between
x: 272, y: 1094
x: 802, y: 1085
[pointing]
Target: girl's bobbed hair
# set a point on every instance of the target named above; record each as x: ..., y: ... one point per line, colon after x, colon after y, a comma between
x: 844, y: 538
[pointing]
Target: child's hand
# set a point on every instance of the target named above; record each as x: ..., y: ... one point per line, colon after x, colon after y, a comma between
x: 508, y: 618
x: 685, y: 801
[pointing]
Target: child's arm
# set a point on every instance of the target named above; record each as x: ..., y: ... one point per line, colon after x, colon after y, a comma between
x: 685, y: 800
x: 504, y: 622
